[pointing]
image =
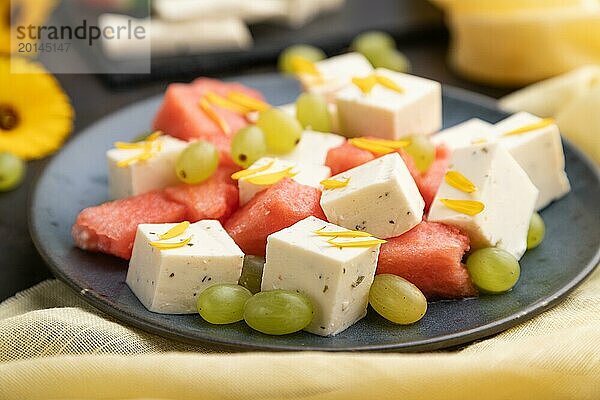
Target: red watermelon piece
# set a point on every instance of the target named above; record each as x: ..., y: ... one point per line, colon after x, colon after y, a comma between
x: 180, y: 115
x: 272, y: 210
x: 110, y: 227
x: 430, y: 256
x: 345, y: 157
x: 430, y: 182
x: 217, y: 198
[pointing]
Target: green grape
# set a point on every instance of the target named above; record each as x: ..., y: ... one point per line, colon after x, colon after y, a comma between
x: 251, y: 277
x: 310, y: 53
x: 12, y: 171
x: 223, y: 303
x: 197, y: 162
x: 422, y: 152
x: 278, y: 312
x: 371, y: 43
x: 537, y: 231
x: 397, y: 300
x: 248, y: 145
x: 493, y: 270
x: 282, y: 131
x: 391, y: 59
x: 312, y: 112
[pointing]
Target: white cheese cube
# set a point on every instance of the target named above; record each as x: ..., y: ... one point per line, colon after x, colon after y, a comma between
x: 388, y: 114
x: 381, y: 198
x: 168, y: 281
x: 540, y: 154
x: 313, y: 148
x: 140, y: 177
x: 504, y: 189
x: 335, y: 73
x: 465, y: 134
x: 306, y: 174
x: 337, y: 280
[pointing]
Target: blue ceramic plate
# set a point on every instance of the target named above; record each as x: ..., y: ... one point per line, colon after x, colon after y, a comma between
x: 76, y: 178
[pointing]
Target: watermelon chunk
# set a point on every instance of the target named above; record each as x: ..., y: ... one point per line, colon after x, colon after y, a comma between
x: 110, y: 227
x: 345, y: 157
x: 429, y: 256
x: 429, y: 182
x: 180, y: 115
x: 217, y: 198
x: 272, y: 210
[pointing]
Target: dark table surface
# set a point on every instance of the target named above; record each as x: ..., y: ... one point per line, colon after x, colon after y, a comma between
x: 20, y: 264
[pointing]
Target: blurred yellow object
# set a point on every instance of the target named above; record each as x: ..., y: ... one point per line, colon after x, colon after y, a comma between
x: 573, y: 99
x: 22, y: 13
x: 35, y: 114
x: 513, y: 42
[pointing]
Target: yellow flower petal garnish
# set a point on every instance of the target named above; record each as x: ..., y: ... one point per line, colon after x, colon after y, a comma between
x: 468, y: 207
x: 271, y: 179
x: 531, y: 127
x: 175, y: 231
x: 459, y: 181
x: 388, y: 83
x: 330, y: 184
x: 342, y: 234
x: 370, y: 146
x: 170, y: 245
x: 214, y: 116
x: 358, y: 243
x: 365, y: 84
x: 243, y: 100
x: 394, y: 144
x: 143, y: 156
x: 227, y: 104
x: 138, y: 145
x: 479, y: 141
x: 252, y: 171
x: 303, y: 66
x: 35, y: 114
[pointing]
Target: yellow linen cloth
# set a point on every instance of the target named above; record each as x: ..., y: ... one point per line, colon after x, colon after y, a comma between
x: 54, y: 346
x: 517, y: 42
x: 573, y: 99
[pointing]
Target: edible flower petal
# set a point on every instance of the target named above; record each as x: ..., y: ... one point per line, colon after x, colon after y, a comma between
x: 357, y: 243
x: 374, y: 148
x: 271, y: 179
x: 365, y: 84
x: 468, y: 207
x: 459, y: 181
x: 227, y: 104
x: 170, y: 245
x: 303, y: 66
x: 330, y: 184
x: 243, y: 100
x: 252, y: 171
x: 388, y: 83
x: 214, y: 116
x: 343, y: 234
x: 175, y: 231
x: 531, y: 127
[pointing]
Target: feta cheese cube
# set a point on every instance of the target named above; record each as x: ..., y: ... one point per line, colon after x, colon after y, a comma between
x: 465, y: 134
x: 335, y: 73
x: 504, y: 189
x: 540, y: 154
x: 168, y: 281
x: 144, y: 176
x: 306, y: 174
x: 337, y: 280
x: 313, y: 148
x: 381, y: 198
x: 387, y: 113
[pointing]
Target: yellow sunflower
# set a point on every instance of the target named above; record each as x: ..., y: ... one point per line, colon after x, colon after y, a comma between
x: 35, y: 114
x: 22, y: 13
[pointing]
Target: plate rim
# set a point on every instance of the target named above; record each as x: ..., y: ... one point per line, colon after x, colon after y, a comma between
x: 431, y: 344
